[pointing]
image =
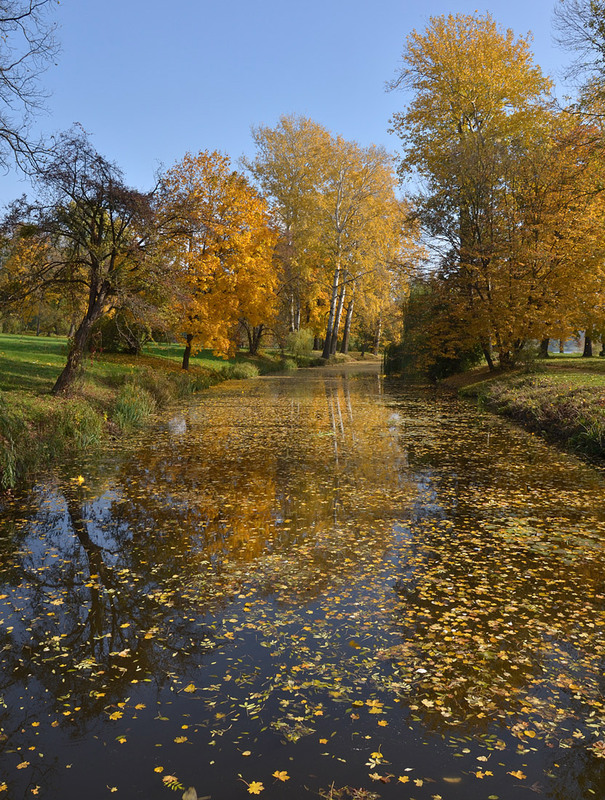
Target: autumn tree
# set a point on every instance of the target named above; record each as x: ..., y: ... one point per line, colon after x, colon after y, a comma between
x: 87, y: 230
x: 339, y: 220
x: 480, y: 131
x: 370, y: 242
x: 290, y: 169
x: 221, y: 250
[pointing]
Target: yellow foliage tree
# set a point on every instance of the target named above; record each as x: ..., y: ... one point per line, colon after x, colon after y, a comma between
x: 507, y: 183
x: 290, y: 168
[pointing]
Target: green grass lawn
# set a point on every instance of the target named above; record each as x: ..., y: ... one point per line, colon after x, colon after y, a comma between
x: 32, y: 364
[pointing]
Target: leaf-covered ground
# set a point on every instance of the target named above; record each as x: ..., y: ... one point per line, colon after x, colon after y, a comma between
x: 317, y: 585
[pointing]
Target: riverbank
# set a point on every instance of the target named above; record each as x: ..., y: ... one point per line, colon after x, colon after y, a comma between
x: 115, y: 394
x: 561, y: 398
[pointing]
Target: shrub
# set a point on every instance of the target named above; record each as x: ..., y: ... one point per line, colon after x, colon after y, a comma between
x: 576, y: 416
x: 300, y: 343
x: 33, y: 433
x: 12, y: 430
x: 240, y: 371
x: 162, y: 386
x: 287, y: 365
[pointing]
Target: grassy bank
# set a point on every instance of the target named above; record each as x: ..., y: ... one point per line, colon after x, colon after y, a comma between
x: 115, y: 394
x: 562, y: 398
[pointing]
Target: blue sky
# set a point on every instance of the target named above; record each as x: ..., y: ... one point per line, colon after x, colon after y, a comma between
x: 151, y: 80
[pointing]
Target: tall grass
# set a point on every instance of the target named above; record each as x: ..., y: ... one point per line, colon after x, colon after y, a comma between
x: 133, y: 407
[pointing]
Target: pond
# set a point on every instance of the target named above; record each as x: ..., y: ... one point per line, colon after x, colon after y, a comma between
x: 320, y: 585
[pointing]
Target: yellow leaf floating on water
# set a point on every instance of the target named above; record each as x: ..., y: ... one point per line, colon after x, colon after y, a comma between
x: 190, y: 688
x: 23, y: 765
x: 158, y: 769
x: 281, y: 776
x: 180, y: 739
x: 403, y: 779
x: 518, y: 774
x: 256, y: 787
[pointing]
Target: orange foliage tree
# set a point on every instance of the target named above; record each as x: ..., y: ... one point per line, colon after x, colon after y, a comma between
x: 221, y: 245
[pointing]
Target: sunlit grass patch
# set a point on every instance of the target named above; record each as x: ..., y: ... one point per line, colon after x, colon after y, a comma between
x: 567, y: 406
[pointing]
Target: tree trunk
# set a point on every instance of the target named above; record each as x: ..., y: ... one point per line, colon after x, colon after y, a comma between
x: 187, y: 353
x: 561, y: 346
x: 505, y: 359
x: 487, y: 352
x: 254, y: 338
x: 331, y: 315
x: 317, y: 343
x: 544, y: 348
x: 75, y: 355
x: 347, y: 329
x: 587, y: 346
x: 341, y: 300
x: 377, y: 336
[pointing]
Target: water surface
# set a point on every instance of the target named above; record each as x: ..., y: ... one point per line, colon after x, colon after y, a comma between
x: 359, y: 587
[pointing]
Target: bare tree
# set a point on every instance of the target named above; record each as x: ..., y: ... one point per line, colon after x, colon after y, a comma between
x: 27, y: 47
x: 580, y: 28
